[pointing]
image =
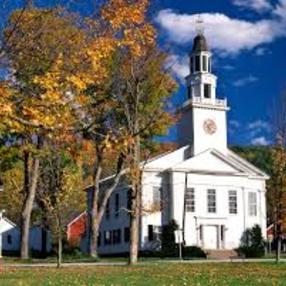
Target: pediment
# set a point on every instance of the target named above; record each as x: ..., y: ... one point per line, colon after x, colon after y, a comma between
x: 210, y: 161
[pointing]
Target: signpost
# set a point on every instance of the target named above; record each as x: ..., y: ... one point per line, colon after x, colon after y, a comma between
x: 179, y: 241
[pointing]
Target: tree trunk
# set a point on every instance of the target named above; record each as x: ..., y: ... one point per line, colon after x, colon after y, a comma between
x: 93, y: 213
x: 278, y: 249
x: 60, y: 245
x: 134, y: 232
x: 30, y: 191
x: 135, y: 203
x: 98, y: 209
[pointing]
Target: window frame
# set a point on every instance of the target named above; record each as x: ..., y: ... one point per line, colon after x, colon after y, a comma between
x: 190, y: 200
x: 232, y: 204
x: 211, y: 205
x: 156, y: 194
x: 252, y: 205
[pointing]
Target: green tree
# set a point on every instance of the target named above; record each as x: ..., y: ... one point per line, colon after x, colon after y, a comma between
x: 61, y: 192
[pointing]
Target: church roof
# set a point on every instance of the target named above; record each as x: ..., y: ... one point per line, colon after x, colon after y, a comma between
x: 218, y: 162
x: 200, y: 44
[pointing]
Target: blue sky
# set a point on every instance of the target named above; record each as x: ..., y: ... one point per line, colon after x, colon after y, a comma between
x: 248, y: 41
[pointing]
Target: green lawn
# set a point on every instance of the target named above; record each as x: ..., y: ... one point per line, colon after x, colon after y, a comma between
x: 152, y: 274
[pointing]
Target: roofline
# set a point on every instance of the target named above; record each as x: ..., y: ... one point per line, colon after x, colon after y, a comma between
x: 141, y: 163
x: 250, y: 165
x: 9, y: 221
x: 76, y: 218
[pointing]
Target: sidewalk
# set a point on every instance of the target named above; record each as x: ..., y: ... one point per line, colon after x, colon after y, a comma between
x: 87, y: 264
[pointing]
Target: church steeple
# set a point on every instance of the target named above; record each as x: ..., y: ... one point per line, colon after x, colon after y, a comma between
x: 202, y: 122
x: 201, y: 82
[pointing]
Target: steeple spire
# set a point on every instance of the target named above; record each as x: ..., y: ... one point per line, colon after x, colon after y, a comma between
x: 200, y: 25
x: 203, y: 115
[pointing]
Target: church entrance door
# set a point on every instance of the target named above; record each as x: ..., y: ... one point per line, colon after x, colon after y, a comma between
x: 210, y: 237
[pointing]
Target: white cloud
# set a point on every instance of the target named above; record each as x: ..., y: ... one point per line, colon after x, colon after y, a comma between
x: 256, y: 5
x: 244, y: 81
x: 260, y: 141
x: 179, y: 65
x: 262, y: 51
x: 257, y: 130
x: 233, y: 126
x: 259, y: 124
x: 228, y: 67
x: 234, y: 123
x: 225, y: 34
x: 280, y: 9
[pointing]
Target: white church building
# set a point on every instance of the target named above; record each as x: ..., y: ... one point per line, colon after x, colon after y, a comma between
x: 213, y: 194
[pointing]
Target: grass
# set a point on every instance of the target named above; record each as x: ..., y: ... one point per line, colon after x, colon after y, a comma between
x: 151, y: 274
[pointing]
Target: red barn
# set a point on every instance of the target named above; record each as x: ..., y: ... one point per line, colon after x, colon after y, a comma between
x: 76, y: 229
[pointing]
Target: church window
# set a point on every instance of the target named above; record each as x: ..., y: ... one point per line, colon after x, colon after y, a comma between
x: 156, y: 195
x: 252, y: 204
x: 205, y: 63
x: 207, y: 91
x: 192, y: 64
x: 116, y: 205
x: 232, y: 202
x: 210, y: 67
x: 190, y: 200
x: 211, y: 201
x: 198, y: 63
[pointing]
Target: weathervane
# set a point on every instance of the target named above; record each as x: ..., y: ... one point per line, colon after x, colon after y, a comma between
x: 200, y: 25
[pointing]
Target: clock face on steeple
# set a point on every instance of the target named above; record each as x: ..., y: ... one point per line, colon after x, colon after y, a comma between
x: 210, y: 126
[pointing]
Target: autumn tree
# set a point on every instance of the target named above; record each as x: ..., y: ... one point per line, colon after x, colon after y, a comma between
x: 121, y: 25
x: 277, y: 186
x: 35, y: 102
x: 11, y: 174
x: 142, y: 86
x: 60, y: 191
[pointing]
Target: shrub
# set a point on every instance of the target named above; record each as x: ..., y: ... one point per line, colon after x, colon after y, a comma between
x: 193, y: 252
x: 169, y: 246
x: 252, y: 243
